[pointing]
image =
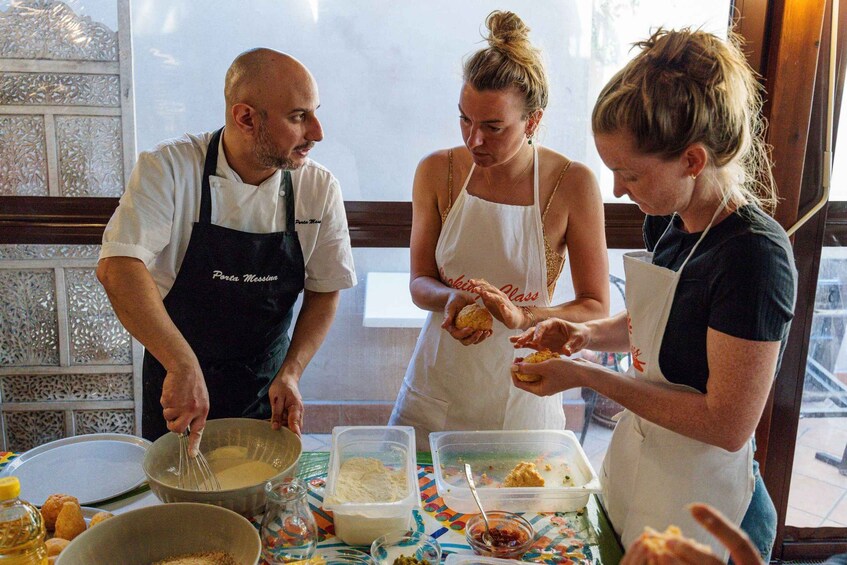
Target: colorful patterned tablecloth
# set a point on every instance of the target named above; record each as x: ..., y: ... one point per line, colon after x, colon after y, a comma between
x: 562, y: 537
x: 5, y: 457
x: 584, y: 537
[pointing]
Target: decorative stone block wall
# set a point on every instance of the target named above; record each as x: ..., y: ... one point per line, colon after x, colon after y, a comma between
x: 67, y: 366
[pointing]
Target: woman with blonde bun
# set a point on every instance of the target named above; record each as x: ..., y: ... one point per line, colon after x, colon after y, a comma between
x: 498, y: 233
x: 708, y: 307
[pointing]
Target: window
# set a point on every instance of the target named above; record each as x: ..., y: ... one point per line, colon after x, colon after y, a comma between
x: 389, y: 73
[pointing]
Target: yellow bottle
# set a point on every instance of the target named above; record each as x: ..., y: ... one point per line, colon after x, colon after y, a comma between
x: 21, y: 527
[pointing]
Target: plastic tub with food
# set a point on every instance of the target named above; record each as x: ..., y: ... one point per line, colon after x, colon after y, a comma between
x: 371, y: 485
x: 514, y: 470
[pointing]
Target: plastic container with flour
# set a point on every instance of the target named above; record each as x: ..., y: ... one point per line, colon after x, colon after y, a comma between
x: 372, y: 483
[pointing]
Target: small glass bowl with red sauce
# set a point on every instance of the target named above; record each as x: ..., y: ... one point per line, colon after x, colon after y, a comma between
x: 511, y: 534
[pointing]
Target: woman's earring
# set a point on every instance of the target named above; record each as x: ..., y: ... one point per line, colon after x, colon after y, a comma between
x: 693, y: 177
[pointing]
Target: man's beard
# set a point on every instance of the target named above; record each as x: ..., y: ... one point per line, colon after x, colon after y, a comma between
x: 267, y: 154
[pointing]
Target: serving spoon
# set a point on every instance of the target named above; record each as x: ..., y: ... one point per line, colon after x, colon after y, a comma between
x: 486, y: 537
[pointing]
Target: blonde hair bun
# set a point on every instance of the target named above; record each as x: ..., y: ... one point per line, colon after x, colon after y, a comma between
x: 510, y: 60
x: 506, y: 30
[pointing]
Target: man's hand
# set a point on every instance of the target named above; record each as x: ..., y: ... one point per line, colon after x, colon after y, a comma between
x: 286, y: 404
x: 555, y: 335
x: 185, y: 403
x: 455, y: 303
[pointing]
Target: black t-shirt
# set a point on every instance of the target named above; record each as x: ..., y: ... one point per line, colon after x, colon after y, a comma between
x: 741, y: 281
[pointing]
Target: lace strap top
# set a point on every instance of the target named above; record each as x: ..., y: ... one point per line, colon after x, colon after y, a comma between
x: 449, y: 186
x: 554, y: 261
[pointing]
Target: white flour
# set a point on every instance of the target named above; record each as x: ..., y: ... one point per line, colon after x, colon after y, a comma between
x: 364, y: 479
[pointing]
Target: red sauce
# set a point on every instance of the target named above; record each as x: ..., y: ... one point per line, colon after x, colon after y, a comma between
x: 505, y: 538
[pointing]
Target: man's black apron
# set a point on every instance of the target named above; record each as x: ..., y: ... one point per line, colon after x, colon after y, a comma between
x: 232, y: 300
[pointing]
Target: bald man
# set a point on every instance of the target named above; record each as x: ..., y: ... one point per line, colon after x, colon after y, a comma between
x: 215, y: 237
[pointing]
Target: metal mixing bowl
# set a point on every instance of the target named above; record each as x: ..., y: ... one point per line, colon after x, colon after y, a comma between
x: 279, y: 448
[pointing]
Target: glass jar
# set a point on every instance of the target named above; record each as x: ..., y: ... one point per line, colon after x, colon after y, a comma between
x: 289, y: 532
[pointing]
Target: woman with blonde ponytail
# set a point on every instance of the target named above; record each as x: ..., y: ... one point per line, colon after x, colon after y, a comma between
x: 709, y: 304
x: 496, y: 236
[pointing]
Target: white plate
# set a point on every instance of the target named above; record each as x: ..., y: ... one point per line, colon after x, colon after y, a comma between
x: 88, y: 513
x: 92, y: 467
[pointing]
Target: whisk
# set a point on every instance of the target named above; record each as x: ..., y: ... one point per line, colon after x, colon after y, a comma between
x: 194, y: 473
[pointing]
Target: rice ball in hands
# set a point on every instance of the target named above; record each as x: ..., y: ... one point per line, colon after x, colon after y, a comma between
x: 475, y: 317
x: 656, y: 542
x: 536, y: 357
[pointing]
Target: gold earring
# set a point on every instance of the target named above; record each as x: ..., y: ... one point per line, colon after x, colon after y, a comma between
x: 693, y: 177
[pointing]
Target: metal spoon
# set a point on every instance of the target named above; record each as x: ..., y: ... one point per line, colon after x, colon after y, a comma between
x: 486, y: 537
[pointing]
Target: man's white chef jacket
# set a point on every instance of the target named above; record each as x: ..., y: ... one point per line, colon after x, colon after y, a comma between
x: 162, y: 201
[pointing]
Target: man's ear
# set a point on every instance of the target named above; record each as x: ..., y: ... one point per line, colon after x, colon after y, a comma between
x: 244, y: 117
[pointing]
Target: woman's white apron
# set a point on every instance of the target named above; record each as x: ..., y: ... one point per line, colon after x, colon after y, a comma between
x: 450, y: 386
x: 650, y: 474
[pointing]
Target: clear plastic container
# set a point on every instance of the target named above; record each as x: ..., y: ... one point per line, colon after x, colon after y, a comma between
x: 359, y: 522
x: 21, y: 527
x: 568, y: 476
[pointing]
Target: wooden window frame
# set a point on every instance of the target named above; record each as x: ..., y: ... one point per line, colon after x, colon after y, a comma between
x: 797, y: 59
x: 53, y: 220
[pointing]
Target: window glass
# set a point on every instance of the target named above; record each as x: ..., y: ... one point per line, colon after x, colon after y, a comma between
x: 389, y: 73
x: 819, y: 474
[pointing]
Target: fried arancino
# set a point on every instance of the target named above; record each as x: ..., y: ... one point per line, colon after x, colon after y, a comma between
x: 70, y: 522
x: 52, y: 506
